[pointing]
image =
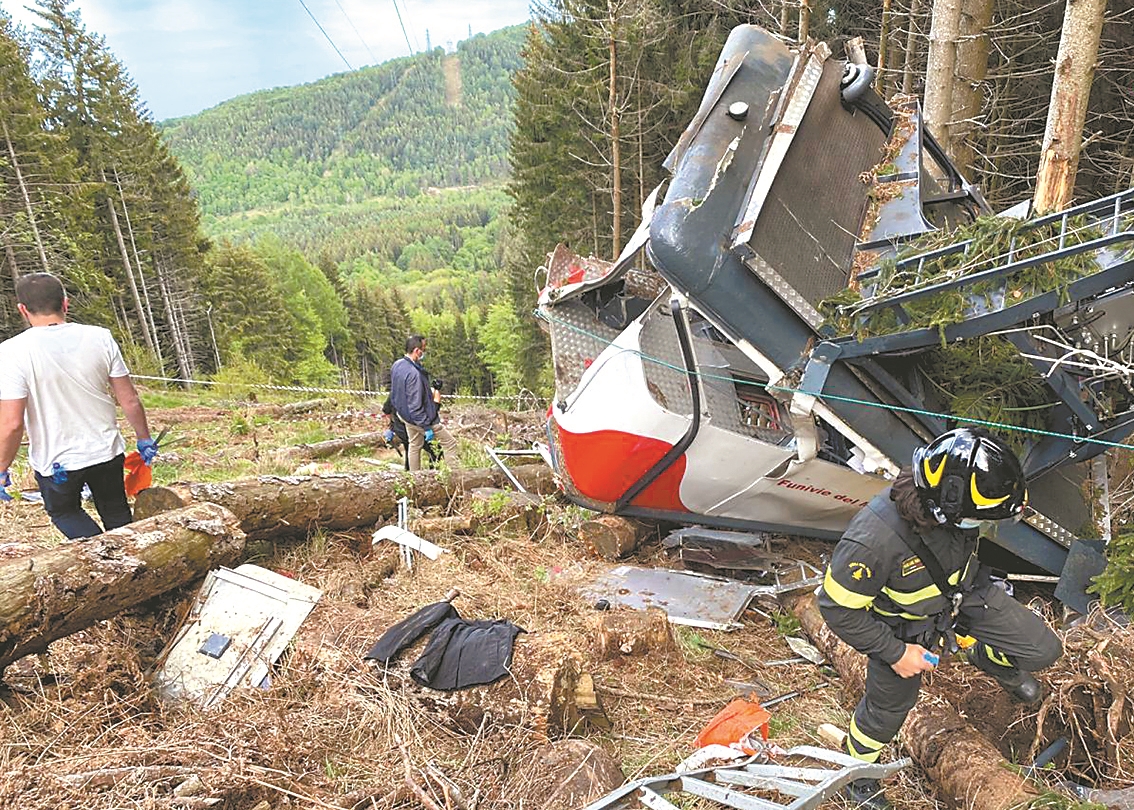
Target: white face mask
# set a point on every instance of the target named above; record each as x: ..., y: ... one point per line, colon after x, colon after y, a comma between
x: 969, y: 523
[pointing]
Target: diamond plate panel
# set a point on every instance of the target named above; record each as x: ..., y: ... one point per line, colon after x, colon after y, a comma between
x: 577, y: 338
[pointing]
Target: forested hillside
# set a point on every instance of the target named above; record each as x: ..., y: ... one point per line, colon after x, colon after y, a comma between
x: 292, y: 236
x: 430, y: 120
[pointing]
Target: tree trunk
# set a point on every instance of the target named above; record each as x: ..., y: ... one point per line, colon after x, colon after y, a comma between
x: 804, y: 21
x: 966, y: 768
x: 176, y: 328
x: 883, y: 48
x: 26, y: 198
x: 1070, y: 92
x: 612, y: 536
x: 50, y: 593
x: 911, y: 45
x: 329, y: 448
x: 113, y: 213
x: 275, y: 506
x: 969, y: 89
x: 148, y: 311
x: 941, y: 70
x: 615, y: 135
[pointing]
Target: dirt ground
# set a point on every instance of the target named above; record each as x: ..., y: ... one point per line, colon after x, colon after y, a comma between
x: 81, y: 727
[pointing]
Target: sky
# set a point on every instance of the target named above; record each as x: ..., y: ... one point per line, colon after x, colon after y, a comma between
x: 189, y: 55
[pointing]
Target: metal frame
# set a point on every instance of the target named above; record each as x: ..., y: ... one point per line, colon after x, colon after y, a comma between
x: 724, y: 786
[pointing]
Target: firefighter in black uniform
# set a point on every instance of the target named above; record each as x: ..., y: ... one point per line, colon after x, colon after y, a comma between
x: 904, y: 581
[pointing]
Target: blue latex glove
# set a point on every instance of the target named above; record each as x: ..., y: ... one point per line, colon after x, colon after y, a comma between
x: 148, y: 449
x: 5, y: 482
x: 58, y: 474
x: 429, y: 434
x: 388, y: 436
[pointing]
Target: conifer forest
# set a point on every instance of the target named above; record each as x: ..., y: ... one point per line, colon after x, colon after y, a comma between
x: 296, y: 236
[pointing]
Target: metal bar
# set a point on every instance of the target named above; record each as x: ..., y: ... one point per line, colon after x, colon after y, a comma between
x: 1004, y: 269
x: 500, y: 463
x: 655, y: 801
x: 779, y: 784
x: 978, y: 324
x: 791, y: 772
x: 675, y: 452
x: 727, y: 795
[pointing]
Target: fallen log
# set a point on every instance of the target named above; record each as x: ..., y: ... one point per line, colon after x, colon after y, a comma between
x: 452, y: 524
x: 279, y: 506
x: 51, y: 593
x: 332, y: 446
x: 613, y: 536
x: 295, y: 408
x: 967, y: 769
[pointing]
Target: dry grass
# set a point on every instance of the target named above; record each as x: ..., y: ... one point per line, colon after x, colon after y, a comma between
x: 82, y: 728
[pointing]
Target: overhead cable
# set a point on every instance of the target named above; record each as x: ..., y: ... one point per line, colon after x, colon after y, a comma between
x: 373, y: 59
x: 328, y: 36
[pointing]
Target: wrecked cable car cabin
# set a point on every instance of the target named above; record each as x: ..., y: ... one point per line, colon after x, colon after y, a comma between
x: 698, y: 381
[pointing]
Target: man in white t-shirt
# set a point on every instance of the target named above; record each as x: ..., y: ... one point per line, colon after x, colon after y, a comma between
x: 61, y: 380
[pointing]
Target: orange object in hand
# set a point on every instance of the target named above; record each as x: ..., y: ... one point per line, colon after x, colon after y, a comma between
x: 733, y: 723
x: 139, y: 475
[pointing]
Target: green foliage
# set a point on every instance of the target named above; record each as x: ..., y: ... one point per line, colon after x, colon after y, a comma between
x: 502, y: 345
x: 1115, y: 585
x: 990, y: 241
x: 238, y: 377
x: 786, y: 623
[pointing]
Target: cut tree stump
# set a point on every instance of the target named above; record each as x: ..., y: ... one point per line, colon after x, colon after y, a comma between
x: 332, y: 446
x: 633, y: 632
x: 54, y: 592
x: 613, y: 536
x: 567, y: 774
x: 538, y: 695
x: 967, y: 769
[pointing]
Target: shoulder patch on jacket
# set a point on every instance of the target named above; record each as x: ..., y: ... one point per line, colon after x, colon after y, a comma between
x: 859, y: 570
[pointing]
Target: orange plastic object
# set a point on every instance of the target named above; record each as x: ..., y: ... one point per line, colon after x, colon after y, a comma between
x: 733, y: 723
x: 139, y: 476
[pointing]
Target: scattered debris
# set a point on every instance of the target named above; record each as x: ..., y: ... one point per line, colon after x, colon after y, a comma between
x: 239, y: 624
x: 696, y: 600
x: 408, y: 539
x: 808, y: 786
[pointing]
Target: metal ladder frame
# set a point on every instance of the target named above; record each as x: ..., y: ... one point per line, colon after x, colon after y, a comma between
x: 810, y: 786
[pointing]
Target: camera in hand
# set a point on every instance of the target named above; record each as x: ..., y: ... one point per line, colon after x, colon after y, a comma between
x: 437, y: 384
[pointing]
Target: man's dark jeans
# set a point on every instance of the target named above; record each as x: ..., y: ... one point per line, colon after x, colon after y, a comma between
x: 64, y: 502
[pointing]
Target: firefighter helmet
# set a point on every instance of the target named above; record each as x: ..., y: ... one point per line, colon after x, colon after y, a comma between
x: 969, y: 474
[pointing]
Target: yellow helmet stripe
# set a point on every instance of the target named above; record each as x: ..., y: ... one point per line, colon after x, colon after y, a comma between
x: 979, y: 500
x: 932, y: 476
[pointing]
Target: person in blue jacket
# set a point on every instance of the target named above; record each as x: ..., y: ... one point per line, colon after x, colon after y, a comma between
x: 417, y: 403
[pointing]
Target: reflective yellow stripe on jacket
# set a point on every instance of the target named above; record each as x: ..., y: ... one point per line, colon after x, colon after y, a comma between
x: 841, y: 595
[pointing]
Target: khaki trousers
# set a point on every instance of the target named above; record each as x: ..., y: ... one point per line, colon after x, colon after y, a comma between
x: 417, y: 442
